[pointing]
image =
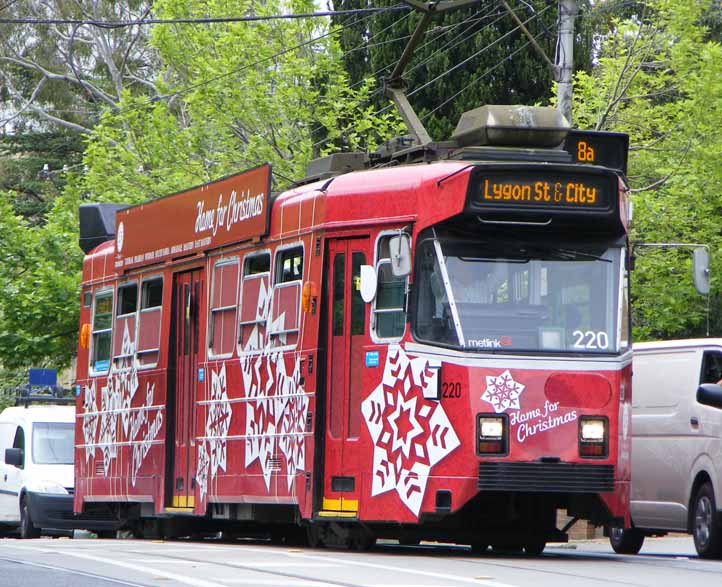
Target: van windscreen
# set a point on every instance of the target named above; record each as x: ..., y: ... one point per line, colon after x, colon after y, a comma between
x: 53, y: 443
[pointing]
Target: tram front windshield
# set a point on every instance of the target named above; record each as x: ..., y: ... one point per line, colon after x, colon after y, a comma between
x: 521, y: 297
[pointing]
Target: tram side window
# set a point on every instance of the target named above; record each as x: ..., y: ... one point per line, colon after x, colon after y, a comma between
x: 389, y: 314
x: 288, y: 273
x: 224, y: 306
x: 124, y: 335
x: 149, y: 321
x: 255, y: 298
x: 102, y: 331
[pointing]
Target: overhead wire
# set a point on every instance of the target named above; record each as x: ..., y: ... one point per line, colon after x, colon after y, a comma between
x: 211, y: 20
x: 535, y: 16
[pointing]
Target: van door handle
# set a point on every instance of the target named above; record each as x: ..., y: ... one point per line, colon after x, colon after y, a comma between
x: 694, y: 421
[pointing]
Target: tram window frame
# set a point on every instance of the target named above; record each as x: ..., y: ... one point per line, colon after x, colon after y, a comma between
x: 97, y: 333
x: 282, y: 282
x: 145, y: 310
x: 227, y: 343
x: 126, y: 311
x: 383, y: 260
x: 251, y: 273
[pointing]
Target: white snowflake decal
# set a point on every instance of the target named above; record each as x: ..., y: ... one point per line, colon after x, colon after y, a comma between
x: 502, y: 392
x: 90, y: 421
x: 411, y: 432
x: 202, y: 472
x: 219, y: 421
x: 212, y: 452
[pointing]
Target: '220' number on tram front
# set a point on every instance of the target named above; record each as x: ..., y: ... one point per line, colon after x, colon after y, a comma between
x: 451, y: 389
x: 590, y: 339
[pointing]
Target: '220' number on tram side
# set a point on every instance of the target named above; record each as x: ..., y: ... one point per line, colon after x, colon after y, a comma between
x: 451, y: 389
x: 590, y: 339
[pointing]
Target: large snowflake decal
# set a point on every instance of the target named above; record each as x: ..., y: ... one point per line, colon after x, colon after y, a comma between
x: 502, y: 392
x: 278, y: 405
x: 410, y: 430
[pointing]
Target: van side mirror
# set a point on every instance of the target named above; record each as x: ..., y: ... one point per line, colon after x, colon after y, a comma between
x: 400, y: 250
x: 14, y: 456
x: 700, y: 257
x: 710, y: 394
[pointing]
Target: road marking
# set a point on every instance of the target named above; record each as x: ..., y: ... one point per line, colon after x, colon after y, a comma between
x: 133, y: 567
x: 283, y: 564
x: 165, y: 561
x: 276, y: 583
x: 406, y: 570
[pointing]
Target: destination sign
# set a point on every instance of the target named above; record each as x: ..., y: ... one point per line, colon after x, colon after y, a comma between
x: 609, y: 149
x: 544, y: 189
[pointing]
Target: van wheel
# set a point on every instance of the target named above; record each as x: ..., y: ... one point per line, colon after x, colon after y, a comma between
x: 626, y: 540
x: 27, y: 528
x: 705, y: 527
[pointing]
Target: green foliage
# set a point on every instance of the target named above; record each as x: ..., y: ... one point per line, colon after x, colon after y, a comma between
x: 39, y: 276
x: 229, y: 108
x: 498, y: 66
x: 659, y: 78
x: 33, y: 169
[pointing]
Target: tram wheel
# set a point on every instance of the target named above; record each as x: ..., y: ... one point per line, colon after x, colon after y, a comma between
x: 314, y: 536
x: 361, y: 539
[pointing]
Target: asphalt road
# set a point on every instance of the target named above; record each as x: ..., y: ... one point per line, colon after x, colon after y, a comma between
x: 663, y: 562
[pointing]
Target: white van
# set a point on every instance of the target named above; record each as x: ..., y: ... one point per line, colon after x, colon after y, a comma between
x: 676, y: 445
x: 36, y: 470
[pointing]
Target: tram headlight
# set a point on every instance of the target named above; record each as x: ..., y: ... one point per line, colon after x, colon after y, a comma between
x: 493, y: 433
x: 593, y: 436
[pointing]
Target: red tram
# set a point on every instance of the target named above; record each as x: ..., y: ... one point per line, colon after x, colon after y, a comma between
x: 436, y: 348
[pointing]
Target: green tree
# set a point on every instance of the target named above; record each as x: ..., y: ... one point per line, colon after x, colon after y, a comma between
x: 34, y: 169
x: 226, y: 97
x: 490, y: 60
x: 659, y: 78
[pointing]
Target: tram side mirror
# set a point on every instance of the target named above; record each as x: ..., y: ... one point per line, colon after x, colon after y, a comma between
x: 400, y: 250
x: 701, y: 270
x: 369, y: 282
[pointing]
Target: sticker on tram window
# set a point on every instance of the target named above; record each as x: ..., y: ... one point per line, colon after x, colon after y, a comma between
x: 589, y: 339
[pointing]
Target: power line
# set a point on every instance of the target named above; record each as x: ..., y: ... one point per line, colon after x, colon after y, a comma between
x: 112, y: 24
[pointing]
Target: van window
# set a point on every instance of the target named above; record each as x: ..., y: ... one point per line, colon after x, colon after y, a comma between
x: 53, y: 443
x: 711, y: 367
x: 19, y: 442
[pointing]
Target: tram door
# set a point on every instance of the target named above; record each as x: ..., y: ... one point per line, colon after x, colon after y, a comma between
x: 188, y: 309
x: 347, y: 329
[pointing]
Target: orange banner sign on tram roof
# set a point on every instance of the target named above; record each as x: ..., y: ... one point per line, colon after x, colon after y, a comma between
x: 226, y: 211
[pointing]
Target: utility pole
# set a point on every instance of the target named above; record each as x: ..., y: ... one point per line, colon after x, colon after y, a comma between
x: 565, y: 57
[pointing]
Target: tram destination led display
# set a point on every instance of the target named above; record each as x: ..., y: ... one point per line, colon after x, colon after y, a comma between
x: 543, y: 190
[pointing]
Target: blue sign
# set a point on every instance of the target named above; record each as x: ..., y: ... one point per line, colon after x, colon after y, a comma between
x: 201, y: 374
x: 77, y: 391
x: 44, y: 377
x: 372, y: 358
